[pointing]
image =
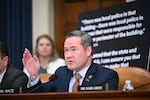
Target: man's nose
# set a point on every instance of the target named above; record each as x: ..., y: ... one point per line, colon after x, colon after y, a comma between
x: 68, y: 54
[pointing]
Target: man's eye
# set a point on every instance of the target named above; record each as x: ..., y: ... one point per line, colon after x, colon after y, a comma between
x: 74, y: 49
x: 65, y: 50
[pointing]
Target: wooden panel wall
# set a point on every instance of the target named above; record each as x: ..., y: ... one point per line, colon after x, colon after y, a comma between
x: 66, y: 16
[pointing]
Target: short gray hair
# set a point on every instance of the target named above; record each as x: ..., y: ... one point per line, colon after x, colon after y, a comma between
x: 86, y: 39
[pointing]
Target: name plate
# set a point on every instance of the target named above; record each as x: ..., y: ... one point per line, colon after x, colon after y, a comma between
x: 91, y: 88
x: 11, y: 91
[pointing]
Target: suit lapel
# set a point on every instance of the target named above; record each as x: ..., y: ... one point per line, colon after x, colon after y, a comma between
x: 3, y: 83
x: 89, y: 75
x: 68, y: 76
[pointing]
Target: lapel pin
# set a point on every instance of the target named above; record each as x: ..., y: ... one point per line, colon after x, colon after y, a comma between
x: 90, y: 76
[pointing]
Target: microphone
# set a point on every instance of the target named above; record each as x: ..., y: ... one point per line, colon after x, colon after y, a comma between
x: 51, y: 78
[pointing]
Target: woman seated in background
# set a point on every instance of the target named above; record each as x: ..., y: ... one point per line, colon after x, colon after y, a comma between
x: 46, y: 52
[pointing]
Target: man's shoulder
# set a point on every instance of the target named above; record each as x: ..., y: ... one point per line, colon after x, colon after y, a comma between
x: 62, y: 68
x: 63, y: 71
x: 15, y: 71
x: 103, y: 72
x: 101, y: 68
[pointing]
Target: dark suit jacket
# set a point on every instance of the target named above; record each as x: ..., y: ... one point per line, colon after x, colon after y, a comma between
x: 100, y: 76
x: 14, y: 78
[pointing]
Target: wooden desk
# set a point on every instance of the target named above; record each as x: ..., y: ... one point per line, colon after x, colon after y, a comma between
x: 102, y: 95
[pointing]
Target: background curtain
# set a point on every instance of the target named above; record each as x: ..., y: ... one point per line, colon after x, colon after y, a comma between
x: 16, y: 28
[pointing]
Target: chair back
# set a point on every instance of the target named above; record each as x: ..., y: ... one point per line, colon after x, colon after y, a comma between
x: 44, y: 77
x: 140, y: 77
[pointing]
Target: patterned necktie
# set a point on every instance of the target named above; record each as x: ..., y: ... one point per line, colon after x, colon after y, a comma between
x: 77, y: 82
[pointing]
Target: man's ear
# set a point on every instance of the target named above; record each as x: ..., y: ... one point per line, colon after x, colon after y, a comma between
x: 89, y: 51
x: 5, y: 59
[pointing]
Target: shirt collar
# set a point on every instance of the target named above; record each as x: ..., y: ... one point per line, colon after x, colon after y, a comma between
x: 83, y: 71
x: 2, y: 75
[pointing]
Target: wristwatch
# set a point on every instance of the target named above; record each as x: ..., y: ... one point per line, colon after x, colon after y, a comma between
x: 33, y: 77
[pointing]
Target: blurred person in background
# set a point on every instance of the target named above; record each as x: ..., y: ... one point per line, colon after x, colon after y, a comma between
x: 47, y: 54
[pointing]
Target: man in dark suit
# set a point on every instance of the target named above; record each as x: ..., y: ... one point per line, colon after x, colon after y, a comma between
x: 10, y: 77
x: 78, y: 57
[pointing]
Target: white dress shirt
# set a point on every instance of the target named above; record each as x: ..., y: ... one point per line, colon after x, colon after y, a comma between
x: 82, y: 73
x: 2, y: 75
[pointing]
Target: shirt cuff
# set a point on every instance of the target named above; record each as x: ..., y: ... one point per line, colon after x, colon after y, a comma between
x: 34, y: 82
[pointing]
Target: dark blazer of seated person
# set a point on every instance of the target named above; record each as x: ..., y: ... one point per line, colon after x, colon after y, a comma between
x: 14, y: 78
x: 98, y: 76
x: 10, y: 77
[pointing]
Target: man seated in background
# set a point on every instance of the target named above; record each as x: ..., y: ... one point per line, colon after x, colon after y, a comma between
x: 10, y: 77
x: 78, y: 57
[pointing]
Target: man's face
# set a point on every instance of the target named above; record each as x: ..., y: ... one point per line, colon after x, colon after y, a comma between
x: 75, y: 55
x: 3, y: 63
